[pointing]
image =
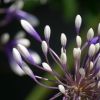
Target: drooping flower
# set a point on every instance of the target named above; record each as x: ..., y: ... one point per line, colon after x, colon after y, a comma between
x: 83, y: 82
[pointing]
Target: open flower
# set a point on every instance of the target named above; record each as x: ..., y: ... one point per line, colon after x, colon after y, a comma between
x: 80, y: 83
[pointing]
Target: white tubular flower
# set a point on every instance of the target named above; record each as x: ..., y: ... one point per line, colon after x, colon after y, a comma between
x: 27, y: 69
x: 47, y: 32
x: 97, y: 47
x: 17, y: 56
x: 5, y: 38
x: 90, y: 34
x: 25, y: 42
x: 91, y: 65
x: 62, y: 89
x: 99, y: 84
x: 36, y: 58
x: 16, y: 68
x: 78, y: 22
x: 63, y: 58
x: 78, y: 41
x: 44, y: 47
x: 82, y: 72
x: 77, y: 53
x: 18, y: 4
x: 91, y: 50
x: 27, y: 26
x: 98, y: 63
x: 99, y: 29
x: 20, y: 35
x: 46, y: 67
x: 23, y: 50
x: 63, y: 39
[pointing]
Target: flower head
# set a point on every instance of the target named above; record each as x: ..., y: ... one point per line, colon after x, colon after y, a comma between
x: 80, y: 83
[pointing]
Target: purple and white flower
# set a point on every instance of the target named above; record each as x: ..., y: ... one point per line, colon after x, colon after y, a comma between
x: 82, y: 82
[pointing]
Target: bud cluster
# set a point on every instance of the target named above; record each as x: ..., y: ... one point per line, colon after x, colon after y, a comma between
x: 83, y: 82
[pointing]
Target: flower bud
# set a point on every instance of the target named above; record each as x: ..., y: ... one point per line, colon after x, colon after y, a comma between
x: 44, y: 47
x: 47, y: 32
x: 78, y: 22
x: 23, y: 50
x: 91, y: 50
x: 77, y: 53
x: 17, y: 56
x: 90, y: 34
x: 63, y: 58
x: 63, y: 39
x: 46, y: 67
x: 78, y: 41
x: 61, y: 89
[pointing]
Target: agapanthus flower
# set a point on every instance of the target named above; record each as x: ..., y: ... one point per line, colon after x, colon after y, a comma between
x: 82, y: 82
x: 14, y: 12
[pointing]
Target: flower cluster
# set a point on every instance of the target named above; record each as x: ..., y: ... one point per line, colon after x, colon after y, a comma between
x: 83, y: 83
x: 6, y: 44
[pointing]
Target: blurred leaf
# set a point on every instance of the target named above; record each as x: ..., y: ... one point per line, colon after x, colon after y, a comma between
x: 70, y: 8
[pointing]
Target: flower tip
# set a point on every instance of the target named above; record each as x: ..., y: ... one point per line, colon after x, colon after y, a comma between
x: 91, y: 51
x: 44, y: 47
x: 63, y: 39
x: 47, y: 32
x: 78, y: 41
x: 78, y: 22
x: 90, y: 34
x: 99, y: 29
x: 25, y: 42
x: 46, y: 67
x: 77, y: 53
x: 61, y: 89
x: 23, y: 50
x: 29, y: 29
x: 17, y: 56
x: 63, y: 58
x: 5, y: 38
x: 27, y: 26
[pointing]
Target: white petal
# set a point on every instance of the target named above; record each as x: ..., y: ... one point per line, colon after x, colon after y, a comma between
x: 23, y: 50
x: 17, y: 56
x: 27, y: 26
x: 90, y: 34
x: 77, y: 53
x: 4, y: 38
x: 63, y: 39
x: 91, y: 51
x: 78, y: 22
x: 44, y: 47
x: 78, y: 41
x: 63, y: 58
x: 99, y: 29
x: 36, y: 58
x: 25, y: 42
x: 16, y: 68
x: 20, y: 35
x: 46, y: 67
x: 47, y: 32
x: 61, y: 89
